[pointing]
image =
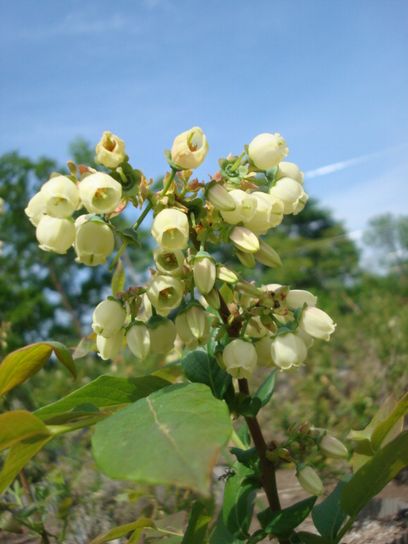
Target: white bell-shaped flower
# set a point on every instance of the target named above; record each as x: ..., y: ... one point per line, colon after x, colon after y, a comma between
x: 296, y: 298
x: 240, y: 358
x: 288, y: 350
x: 290, y: 170
x: 165, y: 293
x: 317, y: 323
x: 162, y: 335
x: 55, y: 234
x: 290, y: 192
x: 267, y: 150
x: 61, y: 196
x: 169, y: 261
x: 110, y: 150
x: 204, y: 273
x: 94, y: 241
x: 268, y: 214
x: 170, y: 229
x: 310, y: 481
x: 245, y: 207
x: 138, y: 340
x: 189, y: 149
x: 108, y: 318
x: 109, y: 348
x: 35, y: 209
x: 100, y: 193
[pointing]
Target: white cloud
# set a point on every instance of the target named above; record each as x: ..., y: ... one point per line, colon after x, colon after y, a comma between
x: 387, y: 193
x: 341, y: 165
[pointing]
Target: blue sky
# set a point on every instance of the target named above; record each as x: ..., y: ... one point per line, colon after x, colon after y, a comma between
x: 329, y: 75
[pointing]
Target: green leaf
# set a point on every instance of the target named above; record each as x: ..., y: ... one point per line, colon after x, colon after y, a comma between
x: 122, y: 530
x: 199, y: 367
x: 238, y: 503
x: 265, y: 391
x: 173, y: 436
x: 19, y: 365
x: 372, y: 477
x: 197, y: 527
x: 221, y: 535
x: 19, y: 425
x: 386, y: 425
x: 118, y: 278
x: 284, y: 522
x: 328, y: 516
x: 104, y: 392
x: 310, y: 538
x: 18, y: 457
x: 130, y: 236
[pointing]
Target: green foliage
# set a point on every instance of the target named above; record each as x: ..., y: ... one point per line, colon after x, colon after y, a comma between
x: 375, y: 474
x: 238, y: 504
x: 284, y: 522
x: 104, y: 392
x: 197, y: 528
x: 170, y: 437
x: 135, y: 529
x: 50, y: 294
x: 21, y: 364
x: 328, y: 516
x: 199, y: 367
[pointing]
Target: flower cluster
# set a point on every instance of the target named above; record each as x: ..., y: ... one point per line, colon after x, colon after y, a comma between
x: 190, y: 297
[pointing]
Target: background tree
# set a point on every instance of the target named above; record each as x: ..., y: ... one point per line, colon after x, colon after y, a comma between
x: 41, y: 296
x: 387, y: 235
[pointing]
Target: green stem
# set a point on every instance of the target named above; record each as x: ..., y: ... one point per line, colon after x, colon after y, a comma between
x: 150, y: 204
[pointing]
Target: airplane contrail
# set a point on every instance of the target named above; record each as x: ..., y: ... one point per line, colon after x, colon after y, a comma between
x: 341, y: 165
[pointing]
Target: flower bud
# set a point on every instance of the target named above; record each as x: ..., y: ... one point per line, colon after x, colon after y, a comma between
x: 245, y: 207
x: 290, y: 170
x: 193, y: 326
x: 246, y: 259
x: 296, y: 298
x: 244, y: 239
x: 220, y: 198
x: 94, y: 241
x: 61, y: 196
x: 108, y: 348
x: 227, y: 275
x: 288, y: 350
x: 213, y: 299
x: 239, y: 358
x: 267, y: 150
x: 108, y: 318
x: 169, y: 262
x: 110, y: 150
x: 35, y: 209
x: 263, y: 351
x: 162, y: 335
x: 165, y: 293
x: 138, y: 340
x: 268, y: 214
x: 317, y: 323
x: 189, y: 149
x: 332, y: 447
x: 204, y: 272
x: 100, y: 193
x: 55, y: 234
x: 267, y: 255
x: 290, y: 192
x: 310, y: 481
x: 170, y: 229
